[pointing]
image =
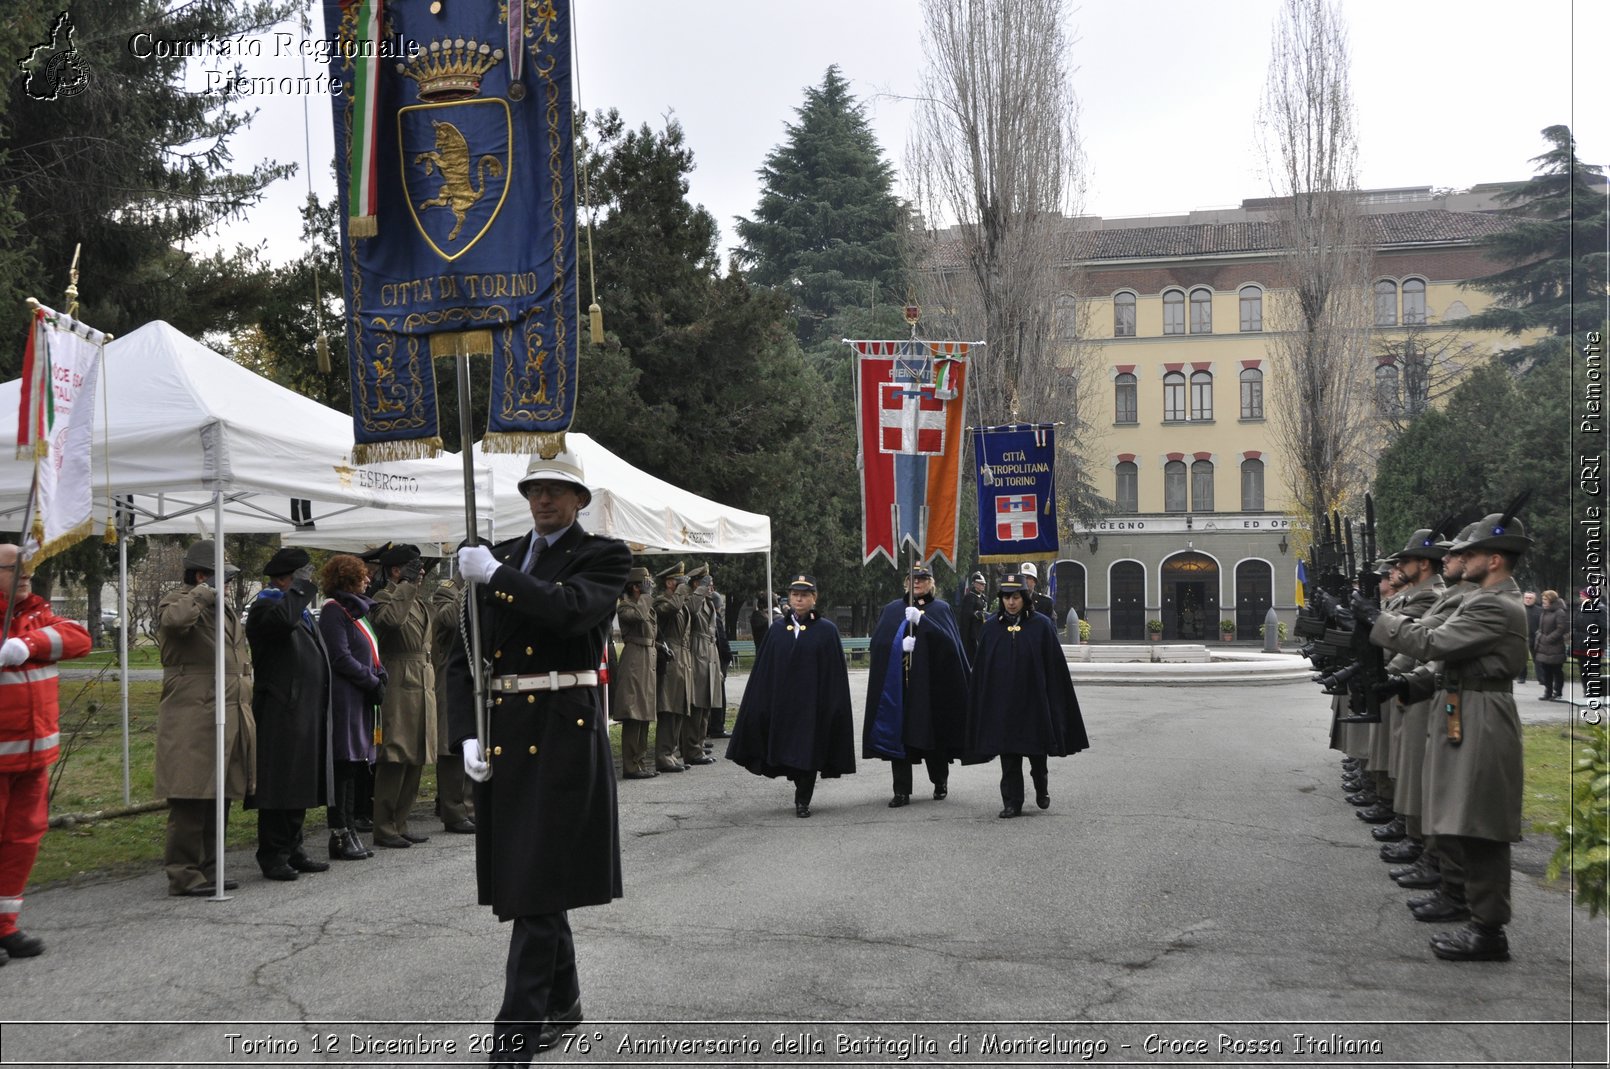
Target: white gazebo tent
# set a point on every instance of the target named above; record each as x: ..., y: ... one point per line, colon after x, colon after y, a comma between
x: 181, y: 430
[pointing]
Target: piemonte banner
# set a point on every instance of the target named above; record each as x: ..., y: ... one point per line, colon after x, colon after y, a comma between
x: 61, y: 369
x: 1017, y: 511
x: 910, y: 416
x: 457, y: 186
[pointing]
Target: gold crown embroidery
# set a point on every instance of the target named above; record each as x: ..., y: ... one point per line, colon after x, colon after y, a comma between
x: 451, y: 70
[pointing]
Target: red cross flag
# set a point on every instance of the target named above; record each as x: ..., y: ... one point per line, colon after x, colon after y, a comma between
x: 911, y: 420
x: 1016, y: 518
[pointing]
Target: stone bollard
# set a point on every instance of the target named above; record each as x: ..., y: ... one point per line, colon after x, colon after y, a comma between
x: 1071, y: 627
x: 1271, y: 631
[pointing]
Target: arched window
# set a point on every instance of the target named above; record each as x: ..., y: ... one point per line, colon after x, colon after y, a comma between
x: 1201, y: 311
x: 1174, y: 486
x: 1128, y: 487
x: 1202, y: 486
x: 1251, y: 308
x: 1387, y: 398
x: 1174, y: 396
x: 1201, y: 395
x: 1125, y: 409
x: 1414, y: 302
x: 1123, y: 315
x: 1251, y: 393
x: 1173, y: 312
x: 1252, y: 485
x: 1386, y: 303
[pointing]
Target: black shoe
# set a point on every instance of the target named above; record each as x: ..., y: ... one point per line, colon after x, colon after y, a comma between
x: 1390, y: 832
x: 668, y: 768
x: 1010, y: 811
x: 344, y: 846
x: 391, y: 842
x: 706, y: 760
x: 1442, y: 910
x: 303, y: 863
x: 1353, y: 784
x: 1419, y: 879
x: 801, y: 809
x: 560, y: 1025
x: 1362, y: 798
x: 280, y: 872
x: 415, y: 837
x: 460, y: 827
x: 940, y: 791
x: 362, y: 824
x: 1379, y: 813
x: 21, y: 945
x: 1404, y: 850
x: 1043, y: 799
x: 1473, y: 942
x: 624, y: 775
x: 899, y: 800
x: 4, y: 957
x: 1421, y: 901
x: 204, y: 890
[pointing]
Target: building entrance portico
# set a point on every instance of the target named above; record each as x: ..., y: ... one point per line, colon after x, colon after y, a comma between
x: 1190, y: 588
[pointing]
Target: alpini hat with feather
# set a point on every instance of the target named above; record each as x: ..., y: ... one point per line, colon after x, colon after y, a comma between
x: 1497, y: 531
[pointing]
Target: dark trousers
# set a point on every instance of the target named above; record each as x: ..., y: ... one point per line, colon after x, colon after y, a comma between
x: 1552, y: 676
x: 804, y: 787
x: 717, y: 725
x: 938, y: 773
x: 539, y: 984
x: 1012, y: 777
x: 1477, y: 871
x: 189, y: 856
x: 349, y: 775
x: 452, y: 790
x: 363, y: 791
x: 279, y: 836
x: 396, y: 788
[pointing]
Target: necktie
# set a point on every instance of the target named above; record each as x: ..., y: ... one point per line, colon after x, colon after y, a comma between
x: 538, y: 544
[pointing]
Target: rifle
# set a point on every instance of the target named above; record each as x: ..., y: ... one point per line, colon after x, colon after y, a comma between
x: 1369, y: 659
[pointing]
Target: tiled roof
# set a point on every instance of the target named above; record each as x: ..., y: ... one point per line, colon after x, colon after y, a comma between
x: 1213, y: 239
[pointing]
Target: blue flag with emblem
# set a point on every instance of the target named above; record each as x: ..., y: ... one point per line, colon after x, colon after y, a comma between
x: 1017, y: 510
x: 457, y: 176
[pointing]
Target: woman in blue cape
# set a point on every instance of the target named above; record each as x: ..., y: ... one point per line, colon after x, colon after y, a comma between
x: 916, y: 706
x: 795, y: 718
x: 1022, y: 702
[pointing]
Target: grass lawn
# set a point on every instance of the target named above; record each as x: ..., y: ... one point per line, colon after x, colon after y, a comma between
x: 1550, y: 753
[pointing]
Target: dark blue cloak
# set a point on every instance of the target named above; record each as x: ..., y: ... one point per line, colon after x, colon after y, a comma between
x: 1022, y: 700
x: 922, y: 711
x: 795, y: 715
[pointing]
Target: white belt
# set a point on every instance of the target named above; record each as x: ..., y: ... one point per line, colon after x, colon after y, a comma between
x: 546, y: 681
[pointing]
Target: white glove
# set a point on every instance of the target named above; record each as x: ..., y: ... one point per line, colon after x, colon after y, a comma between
x: 13, y: 651
x: 475, y: 764
x: 908, y: 643
x: 477, y: 563
x: 913, y: 614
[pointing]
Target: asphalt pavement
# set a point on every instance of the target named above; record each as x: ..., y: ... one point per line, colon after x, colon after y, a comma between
x: 1198, y: 892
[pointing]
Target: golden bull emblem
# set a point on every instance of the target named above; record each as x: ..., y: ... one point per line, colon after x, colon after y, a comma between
x: 452, y: 159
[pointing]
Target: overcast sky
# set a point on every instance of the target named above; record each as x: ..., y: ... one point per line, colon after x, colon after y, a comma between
x: 1449, y: 92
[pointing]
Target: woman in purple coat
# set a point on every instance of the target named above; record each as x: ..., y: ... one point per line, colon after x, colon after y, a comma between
x: 357, y: 685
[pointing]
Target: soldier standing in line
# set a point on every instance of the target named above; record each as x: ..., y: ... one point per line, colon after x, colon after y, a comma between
x: 1474, y: 772
x: 453, y: 805
x: 706, y: 689
x: 975, y: 606
x: 1039, y: 602
x: 632, y: 687
x: 402, y: 623
x: 916, y: 707
x: 1377, y: 753
x: 671, y: 621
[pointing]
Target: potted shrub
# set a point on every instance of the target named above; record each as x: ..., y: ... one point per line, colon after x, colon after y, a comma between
x: 1154, y: 629
x: 1084, y: 632
x: 1280, y: 631
x: 1227, y: 630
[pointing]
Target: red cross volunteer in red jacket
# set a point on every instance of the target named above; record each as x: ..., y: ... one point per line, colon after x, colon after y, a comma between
x: 29, y: 737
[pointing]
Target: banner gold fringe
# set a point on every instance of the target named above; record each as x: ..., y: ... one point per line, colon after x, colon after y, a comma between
x: 548, y: 443
x: 363, y: 226
x: 998, y: 558
x: 460, y: 343
x: 66, y: 540
x: 109, y: 536
x: 407, y: 449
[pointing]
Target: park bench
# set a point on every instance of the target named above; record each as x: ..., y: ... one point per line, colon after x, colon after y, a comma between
x: 856, y: 651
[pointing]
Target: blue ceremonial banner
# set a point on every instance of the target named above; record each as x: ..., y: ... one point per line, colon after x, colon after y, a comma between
x: 458, y: 197
x: 1017, y: 511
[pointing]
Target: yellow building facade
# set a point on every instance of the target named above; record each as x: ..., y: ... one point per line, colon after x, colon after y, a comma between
x: 1182, y: 370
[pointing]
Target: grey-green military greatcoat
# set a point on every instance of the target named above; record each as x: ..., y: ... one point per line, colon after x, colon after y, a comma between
x: 1473, y: 789
x: 186, y: 763
x: 402, y: 620
x: 633, y: 696
x: 673, y: 617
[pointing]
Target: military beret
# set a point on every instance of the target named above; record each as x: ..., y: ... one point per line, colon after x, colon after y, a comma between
x: 372, y: 556
x: 286, y: 561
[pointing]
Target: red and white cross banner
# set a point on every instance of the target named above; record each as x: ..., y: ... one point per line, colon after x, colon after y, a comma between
x: 1016, y: 518
x: 911, y: 419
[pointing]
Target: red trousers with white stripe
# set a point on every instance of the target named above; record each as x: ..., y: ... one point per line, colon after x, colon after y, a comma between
x: 24, y: 815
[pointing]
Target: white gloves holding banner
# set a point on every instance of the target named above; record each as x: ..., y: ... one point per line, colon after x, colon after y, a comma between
x: 908, y: 643
x: 477, y: 564
x: 475, y: 763
x: 13, y: 651
x: 913, y: 615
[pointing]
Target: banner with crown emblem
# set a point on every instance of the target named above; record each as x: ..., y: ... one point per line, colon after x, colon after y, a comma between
x: 458, y: 197
x: 1017, y: 506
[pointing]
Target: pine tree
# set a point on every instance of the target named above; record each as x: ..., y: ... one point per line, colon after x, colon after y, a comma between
x: 827, y: 231
x: 1557, y: 248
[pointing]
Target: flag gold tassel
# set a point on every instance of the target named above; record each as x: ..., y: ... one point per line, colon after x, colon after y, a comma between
x: 595, y: 322
x: 321, y: 352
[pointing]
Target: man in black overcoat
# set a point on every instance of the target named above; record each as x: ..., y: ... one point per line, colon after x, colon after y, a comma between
x: 795, y: 718
x: 916, y: 706
x: 970, y: 617
x: 291, y: 704
x: 547, y: 837
x: 1023, y: 703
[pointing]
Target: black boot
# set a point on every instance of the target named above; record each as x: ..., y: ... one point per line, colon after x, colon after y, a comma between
x: 1390, y: 832
x: 1473, y: 942
x: 1405, y: 850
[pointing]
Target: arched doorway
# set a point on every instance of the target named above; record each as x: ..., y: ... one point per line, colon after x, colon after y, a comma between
x: 1128, y: 585
x: 1254, y: 593
x: 1068, y: 589
x: 1190, y: 597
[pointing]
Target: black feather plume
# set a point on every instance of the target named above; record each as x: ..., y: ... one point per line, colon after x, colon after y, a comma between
x: 1514, y: 506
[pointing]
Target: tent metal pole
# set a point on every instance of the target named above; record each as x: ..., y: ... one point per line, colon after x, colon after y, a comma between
x: 123, y: 648
x: 471, y: 537
x: 221, y: 635
x: 771, y: 598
